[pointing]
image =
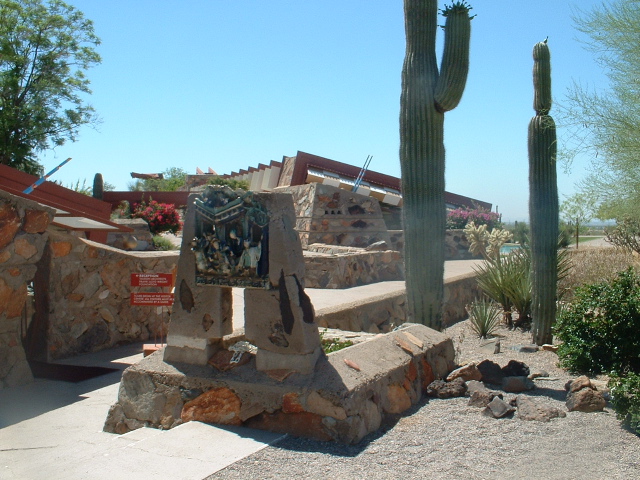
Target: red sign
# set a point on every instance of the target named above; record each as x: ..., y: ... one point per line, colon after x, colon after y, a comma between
x: 151, y: 280
x: 152, y: 299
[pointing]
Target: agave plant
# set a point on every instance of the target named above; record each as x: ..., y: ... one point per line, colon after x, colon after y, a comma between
x: 484, y: 317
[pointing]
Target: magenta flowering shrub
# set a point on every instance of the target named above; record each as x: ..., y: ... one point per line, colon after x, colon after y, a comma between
x: 161, y: 217
x: 460, y: 217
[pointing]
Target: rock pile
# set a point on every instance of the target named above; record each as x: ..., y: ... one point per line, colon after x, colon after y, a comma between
x: 472, y: 379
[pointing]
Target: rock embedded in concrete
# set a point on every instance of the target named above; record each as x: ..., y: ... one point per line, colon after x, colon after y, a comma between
x: 218, y: 405
x: 335, y: 402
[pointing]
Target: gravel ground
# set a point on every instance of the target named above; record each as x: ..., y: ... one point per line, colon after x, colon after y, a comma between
x: 446, y: 439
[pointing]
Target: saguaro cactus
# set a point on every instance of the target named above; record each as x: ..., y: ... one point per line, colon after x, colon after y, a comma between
x: 98, y: 186
x: 426, y: 94
x: 543, y: 200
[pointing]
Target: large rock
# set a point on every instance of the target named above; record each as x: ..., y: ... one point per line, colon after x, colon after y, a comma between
x: 515, y: 368
x: 583, y: 397
x: 498, y: 408
x: 491, y: 372
x: 442, y: 389
x: 466, y: 372
x: 517, y: 384
x: 529, y: 409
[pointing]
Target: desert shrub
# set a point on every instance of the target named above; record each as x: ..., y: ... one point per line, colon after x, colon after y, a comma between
x: 520, y: 232
x: 162, y: 243
x: 599, y: 328
x: 460, y: 217
x: 161, y: 217
x: 230, y: 182
x: 484, y: 317
x: 123, y: 210
x: 592, y: 265
x: 625, y: 397
x: 626, y: 235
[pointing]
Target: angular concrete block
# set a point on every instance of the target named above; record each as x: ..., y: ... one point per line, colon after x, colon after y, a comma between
x: 281, y: 320
x: 301, y: 363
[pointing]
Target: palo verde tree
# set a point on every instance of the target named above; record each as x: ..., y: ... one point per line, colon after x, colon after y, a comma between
x: 604, y: 124
x: 543, y: 200
x: 427, y: 93
x: 577, y: 210
x: 44, y: 50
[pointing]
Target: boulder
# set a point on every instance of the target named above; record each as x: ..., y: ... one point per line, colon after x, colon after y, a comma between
x: 479, y: 395
x: 442, y: 389
x: 498, y: 408
x: 515, y: 368
x: 583, y: 397
x: 517, y: 384
x: 490, y: 346
x: 491, y: 372
x: 466, y: 372
x: 529, y: 409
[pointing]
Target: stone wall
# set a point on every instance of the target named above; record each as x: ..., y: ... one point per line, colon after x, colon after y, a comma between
x: 23, y: 237
x: 456, y: 244
x: 387, y: 311
x: 89, y: 292
x: 327, y: 214
x: 329, y: 266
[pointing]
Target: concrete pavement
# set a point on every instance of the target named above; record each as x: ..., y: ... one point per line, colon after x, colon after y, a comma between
x: 53, y: 429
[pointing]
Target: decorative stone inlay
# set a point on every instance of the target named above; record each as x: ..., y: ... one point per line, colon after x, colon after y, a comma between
x: 60, y: 249
x: 24, y: 248
x: 35, y: 221
x: 219, y: 405
x: 9, y: 223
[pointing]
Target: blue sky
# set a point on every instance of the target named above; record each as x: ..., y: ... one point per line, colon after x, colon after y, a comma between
x: 228, y: 84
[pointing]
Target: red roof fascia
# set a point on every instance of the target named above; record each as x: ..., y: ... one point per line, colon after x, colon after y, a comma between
x: 53, y: 195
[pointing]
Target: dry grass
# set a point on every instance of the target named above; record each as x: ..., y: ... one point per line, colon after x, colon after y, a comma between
x: 591, y: 265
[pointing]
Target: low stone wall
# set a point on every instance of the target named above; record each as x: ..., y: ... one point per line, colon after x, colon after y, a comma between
x: 330, y: 266
x: 89, y: 296
x: 383, y: 313
x: 456, y: 244
x: 23, y: 237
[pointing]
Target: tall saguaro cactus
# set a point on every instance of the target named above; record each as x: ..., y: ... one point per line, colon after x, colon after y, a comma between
x: 543, y: 200
x: 426, y: 94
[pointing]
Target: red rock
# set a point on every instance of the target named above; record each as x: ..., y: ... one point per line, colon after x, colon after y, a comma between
x: 427, y: 374
x: 14, y: 272
x: 75, y: 297
x: 9, y: 224
x: 352, y: 364
x: 412, y: 372
x: 4, y: 256
x: 60, y: 249
x: 397, y: 400
x: 219, y: 405
x: 222, y: 360
x: 291, y: 404
x: 35, y: 221
x: 92, y: 252
x: 303, y: 424
x: 466, y: 372
x: 24, y: 248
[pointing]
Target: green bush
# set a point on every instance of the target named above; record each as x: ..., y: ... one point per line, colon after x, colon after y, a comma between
x: 625, y: 397
x: 599, y: 328
x: 163, y: 243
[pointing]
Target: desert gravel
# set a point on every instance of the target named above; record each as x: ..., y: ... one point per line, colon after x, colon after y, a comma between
x: 446, y: 439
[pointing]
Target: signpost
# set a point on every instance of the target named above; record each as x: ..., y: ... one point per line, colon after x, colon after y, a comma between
x: 152, y: 299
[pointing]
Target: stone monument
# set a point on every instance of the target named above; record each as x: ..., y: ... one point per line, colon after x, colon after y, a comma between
x: 234, y: 238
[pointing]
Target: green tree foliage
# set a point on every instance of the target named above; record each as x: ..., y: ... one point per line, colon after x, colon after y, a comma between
x: 172, y: 179
x: 577, y: 210
x: 44, y: 50
x: 606, y: 124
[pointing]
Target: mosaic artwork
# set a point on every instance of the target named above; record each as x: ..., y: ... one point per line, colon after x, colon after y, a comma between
x: 232, y: 239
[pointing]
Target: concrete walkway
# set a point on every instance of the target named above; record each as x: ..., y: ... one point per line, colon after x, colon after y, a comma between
x: 53, y: 429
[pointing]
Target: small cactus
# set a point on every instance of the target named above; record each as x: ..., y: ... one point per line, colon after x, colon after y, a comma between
x: 543, y: 200
x: 98, y: 186
x: 426, y: 94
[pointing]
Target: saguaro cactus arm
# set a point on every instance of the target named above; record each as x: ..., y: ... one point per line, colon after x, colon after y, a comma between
x: 455, y: 58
